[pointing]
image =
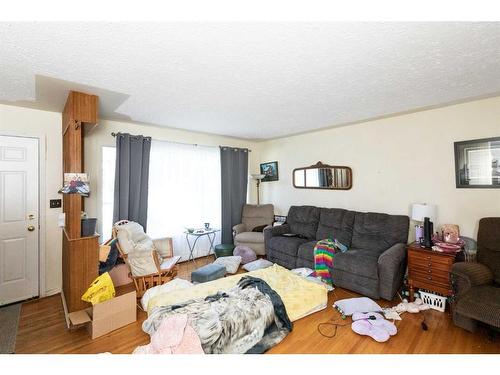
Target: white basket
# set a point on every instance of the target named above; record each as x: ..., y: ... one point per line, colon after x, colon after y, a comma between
x: 435, y: 301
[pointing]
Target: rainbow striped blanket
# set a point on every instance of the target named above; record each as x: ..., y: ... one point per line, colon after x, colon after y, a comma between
x: 324, y: 253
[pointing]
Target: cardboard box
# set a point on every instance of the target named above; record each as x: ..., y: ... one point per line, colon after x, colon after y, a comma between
x: 107, y: 316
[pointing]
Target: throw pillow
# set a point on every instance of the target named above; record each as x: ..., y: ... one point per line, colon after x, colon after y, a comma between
x: 260, y: 228
x: 257, y: 265
x: 246, y: 253
x: 231, y: 263
x: 351, y: 305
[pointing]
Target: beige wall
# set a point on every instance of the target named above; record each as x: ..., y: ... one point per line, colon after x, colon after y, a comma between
x: 47, y: 127
x: 395, y: 161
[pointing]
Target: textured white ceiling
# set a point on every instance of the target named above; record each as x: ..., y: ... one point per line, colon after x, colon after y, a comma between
x: 253, y: 80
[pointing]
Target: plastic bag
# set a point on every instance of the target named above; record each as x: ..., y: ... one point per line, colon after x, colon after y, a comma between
x: 100, y: 290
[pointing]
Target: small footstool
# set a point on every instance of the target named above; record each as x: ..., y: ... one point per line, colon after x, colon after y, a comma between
x: 208, y: 273
x: 224, y: 250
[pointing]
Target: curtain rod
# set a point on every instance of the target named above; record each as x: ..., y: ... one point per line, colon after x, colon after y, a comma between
x: 182, y: 143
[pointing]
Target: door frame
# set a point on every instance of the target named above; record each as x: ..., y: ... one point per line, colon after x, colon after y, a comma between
x: 42, y: 151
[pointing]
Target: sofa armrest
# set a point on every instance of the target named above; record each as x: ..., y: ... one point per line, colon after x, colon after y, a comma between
x: 164, y: 247
x: 271, y: 231
x: 465, y: 275
x: 239, y: 228
x: 391, y: 269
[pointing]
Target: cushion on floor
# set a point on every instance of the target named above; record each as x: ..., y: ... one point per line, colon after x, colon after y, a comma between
x: 247, y: 254
x: 231, y: 263
x: 208, y: 273
x: 257, y: 265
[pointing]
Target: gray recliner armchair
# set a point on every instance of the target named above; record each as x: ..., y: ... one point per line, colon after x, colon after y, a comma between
x: 476, y: 285
x: 253, y: 221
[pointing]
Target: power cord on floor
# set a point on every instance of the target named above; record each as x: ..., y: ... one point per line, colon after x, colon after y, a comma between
x: 331, y: 323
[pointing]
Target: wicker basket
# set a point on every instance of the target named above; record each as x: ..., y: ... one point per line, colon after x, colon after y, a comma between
x: 434, y: 301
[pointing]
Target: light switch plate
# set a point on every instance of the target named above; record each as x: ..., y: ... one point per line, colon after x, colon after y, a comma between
x: 55, y: 203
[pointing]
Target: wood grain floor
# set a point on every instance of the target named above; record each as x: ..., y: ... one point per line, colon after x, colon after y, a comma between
x: 42, y: 329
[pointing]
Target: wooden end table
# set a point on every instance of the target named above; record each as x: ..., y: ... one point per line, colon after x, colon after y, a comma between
x: 428, y: 269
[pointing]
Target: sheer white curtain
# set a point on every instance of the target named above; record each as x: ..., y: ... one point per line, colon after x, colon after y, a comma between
x: 184, y: 191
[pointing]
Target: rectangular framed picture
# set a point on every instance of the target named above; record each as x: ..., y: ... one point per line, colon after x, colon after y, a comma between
x: 270, y: 170
x: 477, y: 163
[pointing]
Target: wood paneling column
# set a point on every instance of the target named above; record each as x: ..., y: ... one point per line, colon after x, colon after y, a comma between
x: 80, y: 258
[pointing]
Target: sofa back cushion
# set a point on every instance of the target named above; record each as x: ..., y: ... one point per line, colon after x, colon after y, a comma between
x: 257, y: 215
x: 377, y: 232
x: 336, y: 223
x: 303, y: 220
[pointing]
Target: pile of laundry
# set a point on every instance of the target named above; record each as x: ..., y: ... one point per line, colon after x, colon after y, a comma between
x: 249, y: 318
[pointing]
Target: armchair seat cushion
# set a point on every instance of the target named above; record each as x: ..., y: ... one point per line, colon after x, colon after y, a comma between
x: 286, y: 245
x: 481, y: 303
x: 358, y: 262
x: 250, y: 237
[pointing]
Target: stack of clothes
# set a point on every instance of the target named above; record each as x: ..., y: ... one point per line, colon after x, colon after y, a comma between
x: 249, y: 318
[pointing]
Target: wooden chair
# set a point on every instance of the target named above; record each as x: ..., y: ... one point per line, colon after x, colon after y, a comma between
x: 165, y: 263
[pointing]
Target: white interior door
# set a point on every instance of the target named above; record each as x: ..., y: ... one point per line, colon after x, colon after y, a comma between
x: 18, y: 218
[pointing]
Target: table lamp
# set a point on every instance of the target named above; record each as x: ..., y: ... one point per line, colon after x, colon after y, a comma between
x: 419, y: 211
x: 258, y: 177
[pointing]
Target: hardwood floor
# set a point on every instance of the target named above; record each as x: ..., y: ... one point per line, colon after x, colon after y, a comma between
x: 42, y: 329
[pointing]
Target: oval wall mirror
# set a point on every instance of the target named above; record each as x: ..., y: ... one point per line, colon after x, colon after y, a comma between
x: 323, y: 176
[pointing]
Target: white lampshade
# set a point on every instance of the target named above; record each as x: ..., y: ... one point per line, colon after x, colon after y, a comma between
x: 421, y: 210
x: 257, y: 176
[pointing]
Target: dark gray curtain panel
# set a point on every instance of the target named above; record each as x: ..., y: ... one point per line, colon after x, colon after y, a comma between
x: 131, y: 178
x: 234, y: 183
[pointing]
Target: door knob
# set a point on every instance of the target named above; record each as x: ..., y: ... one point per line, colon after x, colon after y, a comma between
x: 31, y: 228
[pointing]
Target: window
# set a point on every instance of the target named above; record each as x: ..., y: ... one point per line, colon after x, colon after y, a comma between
x: 108, y: 190
x: 184, y: 192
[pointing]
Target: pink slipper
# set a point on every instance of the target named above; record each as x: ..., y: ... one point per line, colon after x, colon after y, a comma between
x: 364, y: 327
x: 376, y: 319
x: 366, y: 316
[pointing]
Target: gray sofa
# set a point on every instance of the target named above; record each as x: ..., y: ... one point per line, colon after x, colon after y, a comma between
x: 375, y: 263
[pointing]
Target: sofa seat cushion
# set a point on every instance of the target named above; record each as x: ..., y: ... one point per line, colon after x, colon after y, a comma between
x: 481, y: 303
x: 358, y: 262
x: 249, y: 237
x: 286, y: 245
x: 306, y: 250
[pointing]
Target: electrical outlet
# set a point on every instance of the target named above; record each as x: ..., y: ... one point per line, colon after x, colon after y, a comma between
x: 55, y: 203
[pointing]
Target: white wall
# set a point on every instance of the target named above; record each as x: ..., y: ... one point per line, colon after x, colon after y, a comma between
x: 47, y: 127
x: 396, y: 161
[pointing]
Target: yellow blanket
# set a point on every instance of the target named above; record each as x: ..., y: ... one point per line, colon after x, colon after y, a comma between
x: 300, y: 296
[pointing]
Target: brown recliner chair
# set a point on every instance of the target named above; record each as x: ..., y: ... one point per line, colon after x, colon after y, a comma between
x: 253, y: 221
x: 477, y: 284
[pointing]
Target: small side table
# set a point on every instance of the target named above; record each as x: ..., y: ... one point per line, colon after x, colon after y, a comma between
x: 428, y: 269
x: 197, y: 234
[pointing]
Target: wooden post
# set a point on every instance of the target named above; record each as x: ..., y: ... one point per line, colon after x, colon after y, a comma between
x: 80, y: 258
